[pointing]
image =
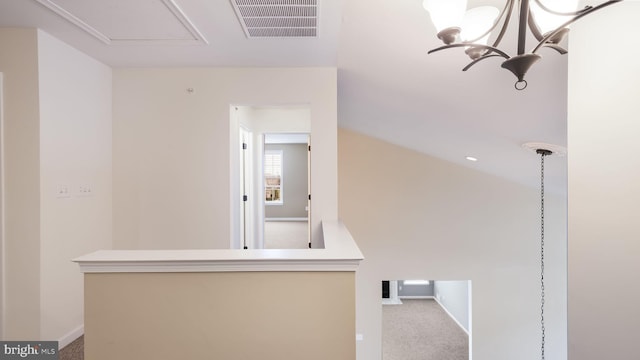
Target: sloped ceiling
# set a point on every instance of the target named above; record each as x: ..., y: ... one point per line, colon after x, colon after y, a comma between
x: 389, y: 87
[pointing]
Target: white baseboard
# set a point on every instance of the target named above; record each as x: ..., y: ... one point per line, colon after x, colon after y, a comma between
x: 71, y: 336
x: 451, y: 316
x: 395, y: 301
x: 416, y: 297
x: 287, y: 219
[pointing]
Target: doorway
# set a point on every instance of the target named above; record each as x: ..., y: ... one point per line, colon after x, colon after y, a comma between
x: 270, y: 196
x: 286, y: 180
x: 426, y: 319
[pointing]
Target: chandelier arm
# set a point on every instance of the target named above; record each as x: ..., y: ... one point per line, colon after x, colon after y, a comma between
x: 505, y: 24
x: 533, y: 26
x: 570, y: 13
x: 557, y: 48
x: 507, y: 7
x: 486, y: 47
x: 569, y: 22
x: 478, y: 60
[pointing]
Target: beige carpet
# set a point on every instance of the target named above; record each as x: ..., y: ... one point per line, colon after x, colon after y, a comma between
x: 73, y: 351
x: 286, y: 235
x: 421, y: 330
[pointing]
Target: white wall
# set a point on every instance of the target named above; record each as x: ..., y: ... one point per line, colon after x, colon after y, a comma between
x: 424, y: 218
x: 454, y: 297
x: 20, y: 142
x: 171, y: 149
x: 604, y: 173
x: 75, y: 151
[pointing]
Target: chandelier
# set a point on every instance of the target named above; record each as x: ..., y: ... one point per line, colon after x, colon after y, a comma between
x: 459, y: 28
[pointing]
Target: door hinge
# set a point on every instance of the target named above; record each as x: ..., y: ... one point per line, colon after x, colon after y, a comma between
x: 244, y: 146
x: 244, y: 198
x: 309, y: 196
x: 309, y: 147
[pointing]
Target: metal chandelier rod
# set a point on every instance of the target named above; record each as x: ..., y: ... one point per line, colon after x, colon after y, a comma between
x: 520, y: 63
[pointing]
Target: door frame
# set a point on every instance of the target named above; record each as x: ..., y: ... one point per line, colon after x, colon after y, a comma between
x: 261, y: 216
x: 3, y: 276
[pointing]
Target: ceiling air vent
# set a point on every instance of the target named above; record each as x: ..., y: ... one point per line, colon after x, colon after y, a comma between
x: 278, y: 18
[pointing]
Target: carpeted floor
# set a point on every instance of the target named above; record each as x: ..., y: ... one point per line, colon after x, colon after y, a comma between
x: 286, y: 235
x: 73, y: 351
x: 421, y: 330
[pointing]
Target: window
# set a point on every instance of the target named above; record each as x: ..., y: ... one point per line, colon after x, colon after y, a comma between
x: 416, y: 282
x: 273, y: 176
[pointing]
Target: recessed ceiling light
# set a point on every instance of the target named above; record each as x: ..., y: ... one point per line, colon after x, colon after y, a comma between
x: 471, y: 158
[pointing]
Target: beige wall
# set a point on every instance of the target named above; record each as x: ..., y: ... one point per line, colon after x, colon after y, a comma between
x: 417, y: 217
x: 604, y: 173
x: 56, y: 130
x: 172, y: 149
x: 243, y: 316
x: 75, y: 150
x: 20, y: 145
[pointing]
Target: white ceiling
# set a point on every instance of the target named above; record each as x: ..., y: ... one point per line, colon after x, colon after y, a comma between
x: 388, y: 87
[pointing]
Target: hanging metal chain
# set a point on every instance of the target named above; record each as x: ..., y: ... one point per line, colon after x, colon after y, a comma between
x: 542, y: 153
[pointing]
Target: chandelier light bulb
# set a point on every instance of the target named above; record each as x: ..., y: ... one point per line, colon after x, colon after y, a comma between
x: 547, y: 21
x: 445, y: 13
x: 478, y: 21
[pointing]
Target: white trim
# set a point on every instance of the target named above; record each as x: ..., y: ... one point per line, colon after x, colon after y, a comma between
x: 184, y: 20
x: 198, y: 39
x: 70, y: 337
x: 395, y: 301
x: 275, y: 202
x: 287, y: 219
x: 470, y: 332
x: 340, y: 254
x: 3, y: 273
x: 416, y: 297
x: 451, y: 316
x: 75, y: 20
x: 286, y: 138
x: 172, y: 266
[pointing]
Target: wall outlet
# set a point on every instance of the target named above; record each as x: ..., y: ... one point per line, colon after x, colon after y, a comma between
x: 85, y: 190
x: 63, y: 191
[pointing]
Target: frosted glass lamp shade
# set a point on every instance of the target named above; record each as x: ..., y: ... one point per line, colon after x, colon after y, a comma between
x: 548, y: 22
x: 478, y: 21
x: 445, y: 13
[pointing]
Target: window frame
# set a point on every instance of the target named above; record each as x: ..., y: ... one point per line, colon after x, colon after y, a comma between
x: 279, y: 152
